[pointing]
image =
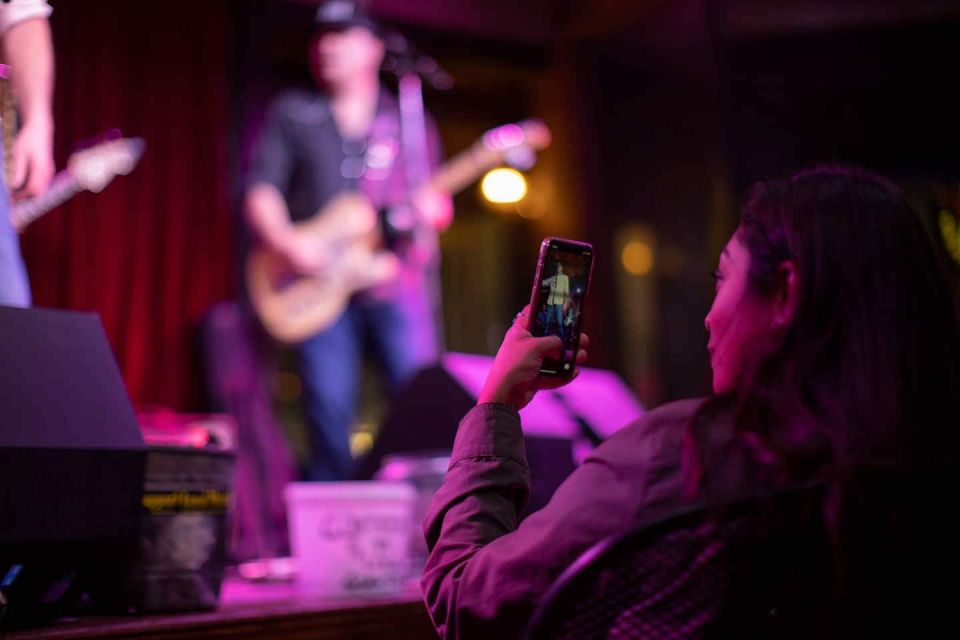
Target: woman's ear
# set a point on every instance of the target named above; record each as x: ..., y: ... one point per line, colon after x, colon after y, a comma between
x: 787, y: 293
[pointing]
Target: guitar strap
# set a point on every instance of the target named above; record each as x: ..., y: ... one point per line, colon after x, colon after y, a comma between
x: 380, y: 181
x: 386, y: 182
x: 8, y: 120
x: 416, y: 149
x: 397, y: 161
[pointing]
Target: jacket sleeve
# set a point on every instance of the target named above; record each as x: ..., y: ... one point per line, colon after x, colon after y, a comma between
x: 485, y: 574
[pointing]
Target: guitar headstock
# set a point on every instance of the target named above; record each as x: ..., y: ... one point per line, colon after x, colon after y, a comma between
x: 537, y: 134
x: 518, y: 143
x: 93, y: 168
x: 528, y: 133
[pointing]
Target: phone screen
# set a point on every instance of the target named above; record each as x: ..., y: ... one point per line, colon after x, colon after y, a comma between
x: 559, y: 290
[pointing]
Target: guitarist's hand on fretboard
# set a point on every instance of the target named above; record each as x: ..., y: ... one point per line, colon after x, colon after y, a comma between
x: 434, y: 206
x: 89, y: 169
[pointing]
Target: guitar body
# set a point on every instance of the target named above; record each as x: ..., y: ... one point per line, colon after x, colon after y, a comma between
x: 293, y: 307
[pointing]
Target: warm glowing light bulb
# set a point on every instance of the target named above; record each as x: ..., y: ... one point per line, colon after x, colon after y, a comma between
x: 637, y: 258
x: 504, y: 186
x: 360, y: 443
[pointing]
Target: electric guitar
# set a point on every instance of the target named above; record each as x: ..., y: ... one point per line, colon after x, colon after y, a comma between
x: 292, y: 307
x: 89, y: 169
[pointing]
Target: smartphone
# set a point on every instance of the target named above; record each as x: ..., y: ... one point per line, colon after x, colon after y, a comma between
x: 559, y: 291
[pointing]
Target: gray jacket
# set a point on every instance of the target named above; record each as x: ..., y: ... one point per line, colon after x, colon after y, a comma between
x: 485, y: 573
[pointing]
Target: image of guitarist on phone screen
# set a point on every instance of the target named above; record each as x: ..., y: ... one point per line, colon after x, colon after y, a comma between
x: 28, y: 50
x: 558, y: 297
x: 329, y: 162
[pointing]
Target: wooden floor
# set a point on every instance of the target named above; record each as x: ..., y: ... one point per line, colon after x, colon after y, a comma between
x: 250, y: 610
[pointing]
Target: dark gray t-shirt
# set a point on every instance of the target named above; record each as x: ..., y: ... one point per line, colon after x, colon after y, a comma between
x: 303, y: 155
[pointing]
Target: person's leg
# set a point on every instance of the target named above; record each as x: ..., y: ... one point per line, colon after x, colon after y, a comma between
x: 330, y: 367
x: 556, y: 320
x: 402, y: 335
x: 14, y: 286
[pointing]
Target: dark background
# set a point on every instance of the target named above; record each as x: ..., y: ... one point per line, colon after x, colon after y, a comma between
x: 662, y: 112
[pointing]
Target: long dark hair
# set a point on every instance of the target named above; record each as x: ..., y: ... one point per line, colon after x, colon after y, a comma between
x: 868, y: 370
x: 860, y: 397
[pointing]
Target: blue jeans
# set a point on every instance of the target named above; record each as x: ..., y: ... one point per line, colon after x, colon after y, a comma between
x: 554, y: 324
x: 14, y: 286
x: 401, y: 336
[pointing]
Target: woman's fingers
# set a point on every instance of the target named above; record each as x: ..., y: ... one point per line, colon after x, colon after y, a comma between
x: 521, y: 321
x: 515, y: 376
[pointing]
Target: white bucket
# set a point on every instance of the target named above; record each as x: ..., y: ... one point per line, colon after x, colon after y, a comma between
x: 350, y: 537
x: 425, y: 472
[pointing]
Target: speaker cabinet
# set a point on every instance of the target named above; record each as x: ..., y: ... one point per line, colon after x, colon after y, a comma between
x: 71, y: 463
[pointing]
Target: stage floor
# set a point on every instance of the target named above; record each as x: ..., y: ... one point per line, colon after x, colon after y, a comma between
x: 263, y: 610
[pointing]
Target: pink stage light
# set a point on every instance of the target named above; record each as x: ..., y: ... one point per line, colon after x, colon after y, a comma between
x: 598, y: 396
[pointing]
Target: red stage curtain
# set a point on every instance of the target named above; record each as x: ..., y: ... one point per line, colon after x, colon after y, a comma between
x: 154, y: 250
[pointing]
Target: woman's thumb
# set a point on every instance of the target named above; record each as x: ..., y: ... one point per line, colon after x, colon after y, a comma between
x: 549, y: 346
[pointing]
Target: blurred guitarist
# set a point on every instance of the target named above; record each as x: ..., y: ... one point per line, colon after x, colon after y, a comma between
x: 28, y: 50
x: 345, y: 136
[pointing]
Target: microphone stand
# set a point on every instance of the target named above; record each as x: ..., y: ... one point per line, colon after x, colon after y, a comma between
x: 408, y: 64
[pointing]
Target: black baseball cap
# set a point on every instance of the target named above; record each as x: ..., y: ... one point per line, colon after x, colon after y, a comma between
x: 334, y: 15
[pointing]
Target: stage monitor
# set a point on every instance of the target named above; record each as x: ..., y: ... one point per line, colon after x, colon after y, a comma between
x: 560, y: 426
x: 71, y: 461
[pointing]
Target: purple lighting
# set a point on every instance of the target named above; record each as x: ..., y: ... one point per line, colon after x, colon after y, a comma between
x: 504, y: 137
x: 597, y: 396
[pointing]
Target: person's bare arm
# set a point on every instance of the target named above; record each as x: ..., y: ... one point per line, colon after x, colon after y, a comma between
x: 28, y: 48
x: 269, y: 218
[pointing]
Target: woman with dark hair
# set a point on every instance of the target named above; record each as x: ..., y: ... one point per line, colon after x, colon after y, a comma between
x: 836, y: 359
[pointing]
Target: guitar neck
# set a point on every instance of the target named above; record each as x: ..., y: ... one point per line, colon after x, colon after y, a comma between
x: 464, y: 168
x: 62, y: 188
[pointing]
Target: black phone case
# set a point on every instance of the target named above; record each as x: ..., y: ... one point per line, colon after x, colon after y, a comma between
x: 551, y: 367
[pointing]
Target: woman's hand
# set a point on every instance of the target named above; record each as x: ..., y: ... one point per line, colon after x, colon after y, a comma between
x: 515, y: 376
